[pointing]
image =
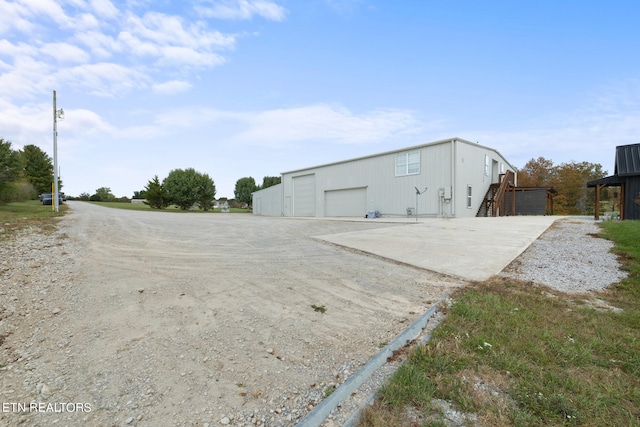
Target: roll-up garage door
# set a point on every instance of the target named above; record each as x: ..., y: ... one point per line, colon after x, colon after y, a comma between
x: 346, y: 202
x: 304, y: 195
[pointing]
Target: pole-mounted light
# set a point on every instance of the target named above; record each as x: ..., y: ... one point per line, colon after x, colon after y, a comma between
x: 57, y: 114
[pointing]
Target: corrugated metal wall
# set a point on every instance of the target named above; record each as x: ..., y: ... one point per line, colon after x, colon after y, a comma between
x: 268, y: 202
x: 632, y: 197
x: 446, y: 165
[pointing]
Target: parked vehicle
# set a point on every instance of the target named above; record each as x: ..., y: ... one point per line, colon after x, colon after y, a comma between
x: 47, y: 198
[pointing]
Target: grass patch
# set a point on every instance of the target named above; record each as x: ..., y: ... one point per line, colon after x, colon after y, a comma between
x: 172, y: 208
x: 20, y: 215
x: 515, y: 354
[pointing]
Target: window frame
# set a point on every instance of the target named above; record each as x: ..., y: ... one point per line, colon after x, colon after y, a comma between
x: 469, y: 196
x: 409, y: 167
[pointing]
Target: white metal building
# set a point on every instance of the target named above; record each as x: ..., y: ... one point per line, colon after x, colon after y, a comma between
x: 455, y: 173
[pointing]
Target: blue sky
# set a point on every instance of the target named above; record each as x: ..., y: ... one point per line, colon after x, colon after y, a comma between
x: 237, y: 88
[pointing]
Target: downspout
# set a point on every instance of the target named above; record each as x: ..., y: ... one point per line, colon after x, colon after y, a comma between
x: 454, y: 151
x: 282, y: 194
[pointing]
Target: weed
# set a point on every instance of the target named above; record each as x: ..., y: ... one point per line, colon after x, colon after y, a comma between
x: 329, y: 391
x: 319, y: 308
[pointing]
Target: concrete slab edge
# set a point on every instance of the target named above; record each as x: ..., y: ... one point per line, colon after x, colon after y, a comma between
x: 322, y: 411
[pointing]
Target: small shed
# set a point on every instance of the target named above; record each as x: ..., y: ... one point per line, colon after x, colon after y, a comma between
x: 627, y: 177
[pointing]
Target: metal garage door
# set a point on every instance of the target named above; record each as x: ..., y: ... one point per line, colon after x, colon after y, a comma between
x: 304, y: 195
x: 347, y: 202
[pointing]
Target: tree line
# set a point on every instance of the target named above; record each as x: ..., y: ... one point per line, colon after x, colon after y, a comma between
x: 186, y: 188
x: 24, y: 174
x: 570, y: 181
x: 27, y: 173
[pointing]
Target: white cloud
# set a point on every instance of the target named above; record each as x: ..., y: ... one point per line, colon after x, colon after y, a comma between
x: 65, y: 53
x: 183, y: 56
x: 172, y: 30
x: 11, y: 18
x: 323, y: 122
x: 101, y: 45
x: 25, y: 78
x: 173, y: 43
x: 49, y: 8
x: 243, y: 9
x: 104, y: 79
x: 171, y: 87
x: 100, y: 49
x: 86, y: 22
x: 104, y: 8
x: 16, y: 50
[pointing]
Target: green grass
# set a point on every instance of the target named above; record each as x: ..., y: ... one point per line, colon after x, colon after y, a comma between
x: 172, y: 208
x: 32, y: 213
x: 515, y: 354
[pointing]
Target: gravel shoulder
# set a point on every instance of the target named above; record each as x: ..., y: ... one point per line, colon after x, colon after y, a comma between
x: 569, y: 257
x: 189, y: 319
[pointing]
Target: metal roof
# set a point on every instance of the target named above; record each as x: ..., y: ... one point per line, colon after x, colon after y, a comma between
x: 628, y: 160
x: 415, y: 147
x: 613, y: 180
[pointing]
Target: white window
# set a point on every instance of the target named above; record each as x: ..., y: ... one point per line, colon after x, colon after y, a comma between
x: 469, y: 196
x: 408, y: 163
x: 486, y: 165
x: 501, y: 167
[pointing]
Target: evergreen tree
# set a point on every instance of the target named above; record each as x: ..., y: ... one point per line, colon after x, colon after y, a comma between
x: 270, y: 181
x: 206, y: 192
x: 38, y: 168
x: 156, y: 195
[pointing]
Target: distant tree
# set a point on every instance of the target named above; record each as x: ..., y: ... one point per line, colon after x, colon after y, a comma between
x: 84, y: 196
x: 38, y: 168
x: 206, y: 192
x: 270, y: 181
x: 140, y: 194
x: 244, y: 188
x: 156, y: 194
x: 188, y: 186
x: 569, y: 179
x: 103, y: 194
x: 538, y: 172
x: 571, y: 182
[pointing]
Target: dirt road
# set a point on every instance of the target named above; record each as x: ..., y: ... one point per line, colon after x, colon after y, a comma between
x: 157, y: 318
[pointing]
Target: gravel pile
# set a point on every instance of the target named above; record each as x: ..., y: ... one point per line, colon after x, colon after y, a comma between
x: 569, y: 257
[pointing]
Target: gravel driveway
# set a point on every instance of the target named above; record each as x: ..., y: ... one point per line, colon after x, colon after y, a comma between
x: 153, y: 318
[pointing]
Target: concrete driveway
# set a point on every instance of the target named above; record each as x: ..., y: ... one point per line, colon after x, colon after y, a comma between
x: 471, y: 248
